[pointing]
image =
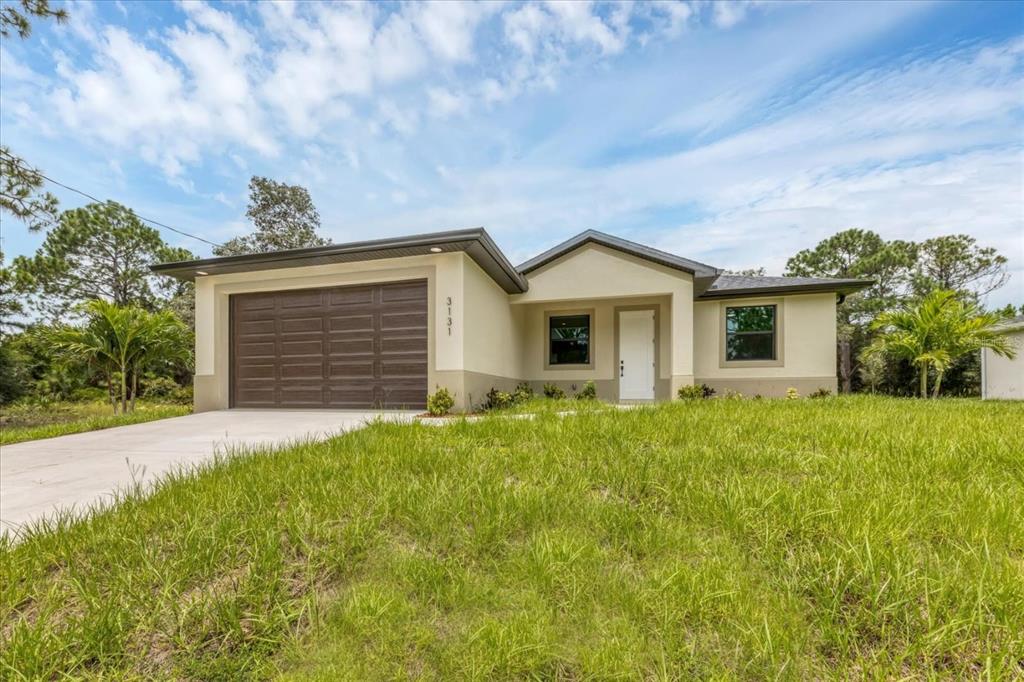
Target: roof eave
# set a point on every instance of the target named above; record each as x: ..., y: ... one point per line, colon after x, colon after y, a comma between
x: 839, y: 287
x: 475, y: 242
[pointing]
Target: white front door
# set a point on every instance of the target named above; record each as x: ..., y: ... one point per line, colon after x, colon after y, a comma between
x: 636, y: 355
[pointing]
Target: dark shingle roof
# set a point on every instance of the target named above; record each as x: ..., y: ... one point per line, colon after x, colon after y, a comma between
x: 708, y: 282
x: 477, y: 244
x: 733, y: 285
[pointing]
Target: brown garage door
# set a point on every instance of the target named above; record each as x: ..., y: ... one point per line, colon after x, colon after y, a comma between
x: 341, y: 347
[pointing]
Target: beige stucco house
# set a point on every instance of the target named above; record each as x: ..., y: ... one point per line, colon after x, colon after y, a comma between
x: 382, y: 323
x: 1003, y: 378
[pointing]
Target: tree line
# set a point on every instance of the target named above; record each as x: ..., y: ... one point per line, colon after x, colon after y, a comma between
x: 906, y: 273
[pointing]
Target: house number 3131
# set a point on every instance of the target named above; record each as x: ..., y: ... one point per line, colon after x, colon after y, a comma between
x: 448, y: 302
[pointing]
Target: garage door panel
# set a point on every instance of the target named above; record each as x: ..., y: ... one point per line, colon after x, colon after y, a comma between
x: 301, y: 396
x: 263, y: 349
x: 342, y: 347
x: 350, y: 398
x: 301, y: 324
x: 353, y: 370
x: 253, y: 371
x: 352, y: 323
x: 403, y: 320
x: 255, y: 327
x: 346, y: 347
x: 294, y: 348
x: 256, y: 302
x: 302, y: 370
x: 404, y: 291
x: 257, y: 397
x: 301, y: 298
x: 400, y: 369
x: 403, y: 344
x: 348, y: 296
x: 403, y: 398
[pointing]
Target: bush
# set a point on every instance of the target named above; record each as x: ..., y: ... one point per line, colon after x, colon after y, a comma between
x: 159, y: 387
x: 13, y: 374
x: 166, y: 390
x: 730, y: 394
x: 523, y: 392
x: 692, y: 392
x: 820, y: 393
x: 695, y: 392
x: 440, y: 403
x: 553, y: 391
x: 498, y: 400
x: 792, y: 394
x: 588, y: 392
x: 90, y: 394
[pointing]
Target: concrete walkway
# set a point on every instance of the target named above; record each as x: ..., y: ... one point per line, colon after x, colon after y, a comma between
x: 73, y: 472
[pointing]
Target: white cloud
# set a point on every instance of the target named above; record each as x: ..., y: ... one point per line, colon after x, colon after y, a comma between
x: 12, y: 69
x: 134, y: 97
x: 445, y: 103
x: 448, y: 28
x: 728, y: 13
x: 221, y: 59
x: 397, y: 52
x: 674, y: 13
x: 579, y: 24
x: 401, y: 120
x: 525, y: 27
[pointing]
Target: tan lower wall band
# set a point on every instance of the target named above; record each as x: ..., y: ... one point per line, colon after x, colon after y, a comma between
x: 470, y: 388
x: 775, y: 387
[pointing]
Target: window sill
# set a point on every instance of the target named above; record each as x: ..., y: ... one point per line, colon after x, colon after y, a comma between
x: 739, y: 364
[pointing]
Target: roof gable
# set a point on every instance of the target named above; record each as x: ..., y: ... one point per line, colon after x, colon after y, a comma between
x: 695, y: 268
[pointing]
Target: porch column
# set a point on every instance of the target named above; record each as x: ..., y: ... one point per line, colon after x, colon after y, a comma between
x: 682, y: 338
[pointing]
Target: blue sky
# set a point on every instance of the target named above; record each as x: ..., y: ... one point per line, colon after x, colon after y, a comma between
x: 732, y: 133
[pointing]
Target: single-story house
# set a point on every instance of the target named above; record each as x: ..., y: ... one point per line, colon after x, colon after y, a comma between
x: 1003, y: 378
x: 383, y: 323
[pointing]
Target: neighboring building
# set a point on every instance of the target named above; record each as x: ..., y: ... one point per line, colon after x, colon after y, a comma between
x: 382, y: 323
x: 1002, y: 377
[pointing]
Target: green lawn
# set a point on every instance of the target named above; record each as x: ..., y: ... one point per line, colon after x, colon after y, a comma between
x: 31, y: 422
x: 846, y: 537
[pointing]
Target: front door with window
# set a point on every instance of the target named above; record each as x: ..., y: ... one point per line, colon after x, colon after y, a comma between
x: 636, y: 355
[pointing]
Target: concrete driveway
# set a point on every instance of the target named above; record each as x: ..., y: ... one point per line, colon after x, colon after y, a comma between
x: 73, y: 472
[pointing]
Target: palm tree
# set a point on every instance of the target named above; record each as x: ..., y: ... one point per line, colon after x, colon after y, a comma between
x: 937, y: 331
x: 966, y: 329
x: 119, y: 341
x: 163, y: 338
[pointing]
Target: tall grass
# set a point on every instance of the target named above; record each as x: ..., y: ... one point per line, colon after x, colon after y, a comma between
x: 861, y: 537
x: 32, y: 422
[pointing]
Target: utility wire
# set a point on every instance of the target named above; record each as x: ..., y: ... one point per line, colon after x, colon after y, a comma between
x: 101, y: 201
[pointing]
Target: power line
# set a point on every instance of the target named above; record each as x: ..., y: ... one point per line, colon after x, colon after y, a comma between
x: 101, y: 201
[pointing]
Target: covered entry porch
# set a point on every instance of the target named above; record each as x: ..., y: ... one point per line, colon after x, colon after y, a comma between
x: 625, y: 345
